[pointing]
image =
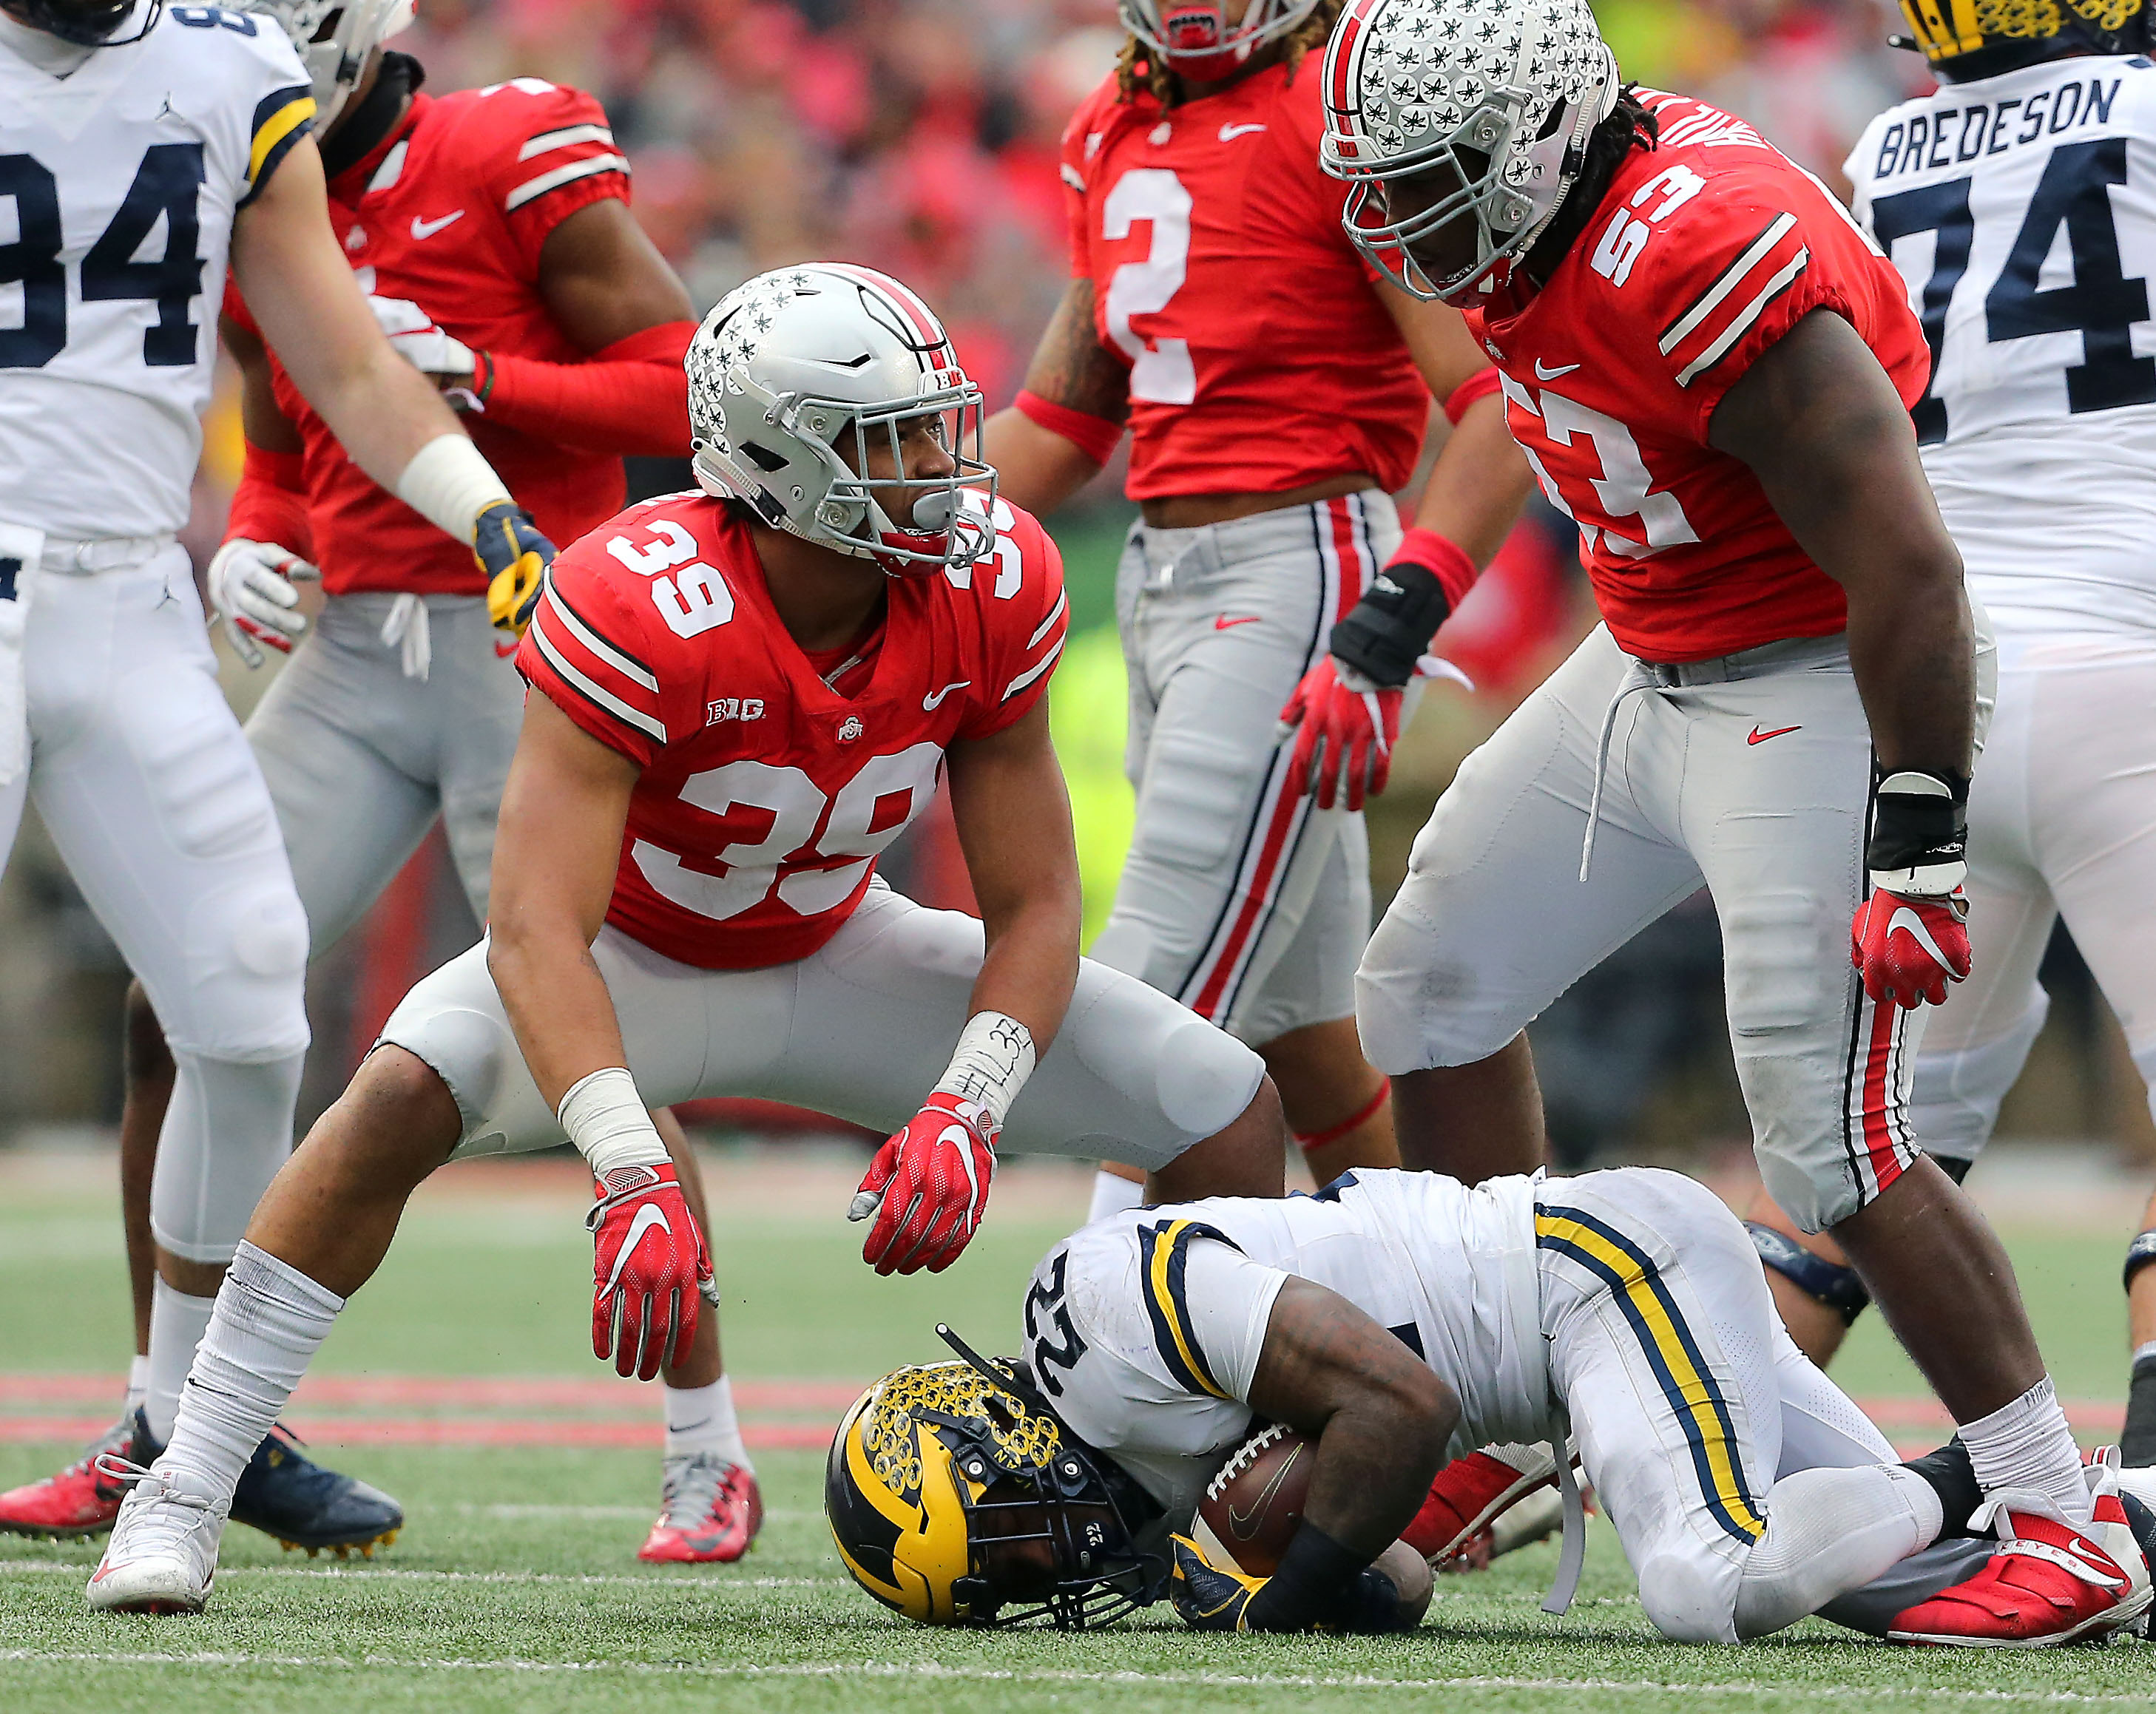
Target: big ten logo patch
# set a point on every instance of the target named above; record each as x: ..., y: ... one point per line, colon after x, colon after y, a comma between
x: 733, y: 708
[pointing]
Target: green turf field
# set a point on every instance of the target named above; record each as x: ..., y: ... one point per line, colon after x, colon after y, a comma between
x: 516, y: 1586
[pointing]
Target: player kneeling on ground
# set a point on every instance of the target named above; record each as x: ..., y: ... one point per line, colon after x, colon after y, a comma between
x: 1397, y: 1319
x: 745, y: 695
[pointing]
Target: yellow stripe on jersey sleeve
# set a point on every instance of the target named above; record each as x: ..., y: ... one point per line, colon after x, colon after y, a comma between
x: 1163, y: 1248
x: 279, y: 121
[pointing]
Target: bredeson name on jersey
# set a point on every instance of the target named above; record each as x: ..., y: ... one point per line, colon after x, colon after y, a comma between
x: 1949, y: 135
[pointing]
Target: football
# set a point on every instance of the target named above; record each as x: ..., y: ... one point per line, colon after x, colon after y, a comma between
x: 1254, y: 1501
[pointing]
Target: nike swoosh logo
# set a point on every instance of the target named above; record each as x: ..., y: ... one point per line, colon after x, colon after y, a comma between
x: 1243, y: 1524
x: 647, y: 1217
x: 1229, y: 133
x: 1228, y: 621
x: 928, y: 703
x: 1906, y: 920
x: 1756, y: 736
x: 1545, y: 374
x: 428, y: 228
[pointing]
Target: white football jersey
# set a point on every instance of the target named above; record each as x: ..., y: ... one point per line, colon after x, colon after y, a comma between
x: 1145, y: 1328
x: 118, y: 186
x: 2021, y: 209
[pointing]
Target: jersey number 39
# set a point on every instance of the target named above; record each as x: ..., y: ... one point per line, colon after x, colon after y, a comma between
x: 166, y: 184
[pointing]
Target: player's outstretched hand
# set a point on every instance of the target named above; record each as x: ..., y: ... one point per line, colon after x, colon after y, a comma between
x: 1908, y: 949
x: 650, y: 1267
x: 515, y: 557
x: 251, y: 590
x: 927, y: 1187
x: 1345, y: 727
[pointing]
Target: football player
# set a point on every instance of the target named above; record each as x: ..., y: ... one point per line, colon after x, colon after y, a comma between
x: 1710, y: 367
x: 492, y: 231
x: 1275, y: 395
x: 127, y: 127
x: 2038, y: 434
x: 744, y: 695
x: 1396, y: 1319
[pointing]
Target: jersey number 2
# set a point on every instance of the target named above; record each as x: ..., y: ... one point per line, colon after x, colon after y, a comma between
x: 1161, y: 372
x: 164, y: 184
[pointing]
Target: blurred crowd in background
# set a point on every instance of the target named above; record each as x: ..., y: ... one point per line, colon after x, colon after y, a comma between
x: 921, y: 136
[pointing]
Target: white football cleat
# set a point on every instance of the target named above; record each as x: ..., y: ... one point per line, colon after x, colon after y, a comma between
x: 163, y: 1555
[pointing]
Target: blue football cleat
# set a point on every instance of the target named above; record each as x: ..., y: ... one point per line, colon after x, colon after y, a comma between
x: 283, y: 1493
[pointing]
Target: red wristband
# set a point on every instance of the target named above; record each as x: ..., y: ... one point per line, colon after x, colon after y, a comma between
x: 1094, y: 436
x: 1456, y: 571
x: 1478, y: 386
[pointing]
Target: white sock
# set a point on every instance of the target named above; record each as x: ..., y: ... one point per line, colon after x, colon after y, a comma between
x: 138, y: 1385
x: 2142, y: 1351
x: 176, y: 1322
x: 1113, y: 1194
x: 2026, y: 1448
x: 1829, y: 1531
x: 270, y: 1320
x: 703, y: 1419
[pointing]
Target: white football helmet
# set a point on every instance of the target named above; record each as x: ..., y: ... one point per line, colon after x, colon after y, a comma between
x: 801, y: 362
x: 1194, y: 38
x: 1504, y: 91
x: 334, y: 39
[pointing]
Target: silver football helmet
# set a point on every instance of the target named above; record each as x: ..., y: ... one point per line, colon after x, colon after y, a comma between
x: 796, y: 375
x: 1193, y: 37
x: 334, y: 39
x: 1505, y: 92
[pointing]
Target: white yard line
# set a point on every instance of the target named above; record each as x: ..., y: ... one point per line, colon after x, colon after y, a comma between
x: 412, y: 1573
x: 927, y: 1669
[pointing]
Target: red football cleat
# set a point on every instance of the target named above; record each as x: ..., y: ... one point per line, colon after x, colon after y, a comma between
x: 80, y: 1500
x: 1468, y: 1496
x: 2048, y: 1583
x: 711, y: 1512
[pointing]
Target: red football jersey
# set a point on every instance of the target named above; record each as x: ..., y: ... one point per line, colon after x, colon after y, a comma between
x: 450, y: 211
x: 766, y: 795
x: 1262, y: 357
x: 1704, y: 251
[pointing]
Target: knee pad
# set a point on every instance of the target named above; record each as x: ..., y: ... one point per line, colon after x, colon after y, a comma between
x: 245, y: 997
x: 227, y: 1131
x: 1838, y: 1288
x: 1414, y: 1006
x: 1954, y: 1093
x: 1691, y: 1597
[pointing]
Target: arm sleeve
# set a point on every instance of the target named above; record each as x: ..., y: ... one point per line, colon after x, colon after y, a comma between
x: 632, y: 398
x: 1736, y: 268
x: 270, y: 504
x: 586, y: 652
x: 559, y: 157
x: 1028, y: 615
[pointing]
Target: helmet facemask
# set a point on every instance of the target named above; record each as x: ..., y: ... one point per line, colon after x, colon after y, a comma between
x: 909, y: 522
x: 335, y: 39
x: 84, y: 23
x: 1195, y: 39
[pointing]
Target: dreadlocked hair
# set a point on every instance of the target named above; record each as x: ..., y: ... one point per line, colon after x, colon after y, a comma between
x: 1627, y: 127
x: 1135, y: 73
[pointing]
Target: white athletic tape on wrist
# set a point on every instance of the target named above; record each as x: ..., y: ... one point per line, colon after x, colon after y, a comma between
x: 450, y: 483
x: 990, y: 1066
x: 605, y: 1117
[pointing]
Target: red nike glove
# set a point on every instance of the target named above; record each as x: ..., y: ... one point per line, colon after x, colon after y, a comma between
x: 1343, y: 748
x: 1909, y: 949
x: 927, y: 1187
x: 649, y: 1265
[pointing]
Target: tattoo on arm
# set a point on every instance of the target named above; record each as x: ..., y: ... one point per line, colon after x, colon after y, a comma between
x: 1072, y: 368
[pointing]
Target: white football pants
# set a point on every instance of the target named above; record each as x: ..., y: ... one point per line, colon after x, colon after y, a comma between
x: 156, y: 803
x: 2061, y: 821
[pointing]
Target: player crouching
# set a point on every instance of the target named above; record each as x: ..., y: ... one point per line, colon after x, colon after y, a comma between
x: 744, y: 695
x: 1394, y: 1320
